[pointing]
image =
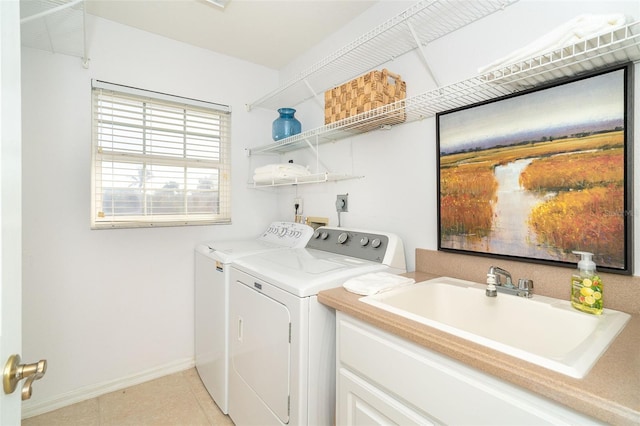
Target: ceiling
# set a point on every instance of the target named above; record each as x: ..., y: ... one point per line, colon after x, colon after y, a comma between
x: 265, y: 32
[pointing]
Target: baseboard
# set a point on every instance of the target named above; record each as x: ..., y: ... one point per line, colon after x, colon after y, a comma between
x: 93, y: 391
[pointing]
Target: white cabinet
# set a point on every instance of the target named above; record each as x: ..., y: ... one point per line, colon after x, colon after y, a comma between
x: 362, y: 403
x: 383, y: 379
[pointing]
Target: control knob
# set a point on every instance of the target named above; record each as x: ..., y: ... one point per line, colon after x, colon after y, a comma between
x: 324, y: 235
x: 364, y: 241
x: 343, y: 237
x: 376, y: 243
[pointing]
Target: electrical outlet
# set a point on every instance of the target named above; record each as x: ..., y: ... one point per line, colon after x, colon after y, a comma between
x: 342, y: 203
x: 297, y: 202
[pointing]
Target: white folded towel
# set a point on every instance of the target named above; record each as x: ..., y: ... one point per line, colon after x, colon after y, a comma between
x: 282, y: 167
x: 579, y: 28
x: 375, y: 282
x: 279, y: 171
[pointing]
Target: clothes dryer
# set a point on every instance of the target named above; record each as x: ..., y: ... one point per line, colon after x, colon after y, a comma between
x: 212, y: 268
x: 282, y: 340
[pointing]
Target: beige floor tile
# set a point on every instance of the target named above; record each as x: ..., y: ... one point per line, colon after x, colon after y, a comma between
x: 183, y: 413
x: 178, y: 399
x: 144, y: 397
x: 83, y: 413
x: 211, y: 410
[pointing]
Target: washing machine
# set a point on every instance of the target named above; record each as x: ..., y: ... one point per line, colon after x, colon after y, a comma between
x: 212, y: 278
x: 281, y: 339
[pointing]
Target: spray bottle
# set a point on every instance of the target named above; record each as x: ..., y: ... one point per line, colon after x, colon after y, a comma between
x: 586, y: 285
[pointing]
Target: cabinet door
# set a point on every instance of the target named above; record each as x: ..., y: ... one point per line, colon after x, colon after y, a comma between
x: 365, y: 404
x: 438, y: 386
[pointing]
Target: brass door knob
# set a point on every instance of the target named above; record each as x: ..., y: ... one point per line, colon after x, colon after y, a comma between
x: 14, y: 372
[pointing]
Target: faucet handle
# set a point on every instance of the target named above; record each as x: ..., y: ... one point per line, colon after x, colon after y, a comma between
x: 495, y: 277
x: 491, y: 290
x: 525, y: 284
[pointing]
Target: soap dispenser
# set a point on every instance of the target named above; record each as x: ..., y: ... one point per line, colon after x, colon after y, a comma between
x: 586, y: 285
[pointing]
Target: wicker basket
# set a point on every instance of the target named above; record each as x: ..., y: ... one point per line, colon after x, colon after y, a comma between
x: 366, y: 93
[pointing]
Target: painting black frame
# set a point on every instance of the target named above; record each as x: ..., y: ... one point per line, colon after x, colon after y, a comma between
x: 626, y: 103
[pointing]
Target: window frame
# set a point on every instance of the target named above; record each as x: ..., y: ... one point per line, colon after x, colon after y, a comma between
x: 186, y: 159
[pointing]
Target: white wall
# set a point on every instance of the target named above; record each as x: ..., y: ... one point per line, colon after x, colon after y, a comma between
x: 105, y: 305
x: 399, y: 189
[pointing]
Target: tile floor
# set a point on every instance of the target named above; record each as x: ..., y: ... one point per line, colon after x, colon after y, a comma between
x: 179, y: 399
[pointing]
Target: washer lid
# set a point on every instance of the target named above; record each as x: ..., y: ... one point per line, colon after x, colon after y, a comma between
x: 228, y: 251
x: 278, y: 235
x: 305, y: 272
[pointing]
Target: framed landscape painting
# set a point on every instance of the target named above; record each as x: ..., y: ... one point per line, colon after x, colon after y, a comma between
x: 538, y: 174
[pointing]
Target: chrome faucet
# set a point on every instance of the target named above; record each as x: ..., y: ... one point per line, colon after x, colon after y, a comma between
x: 496, y: 271
x: 494, y: 284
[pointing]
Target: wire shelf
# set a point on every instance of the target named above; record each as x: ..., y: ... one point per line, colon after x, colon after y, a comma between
x: 429, y: 19
x: 615, y: 47
x: 301, y: 180
x: 57, y: 26
x: 609, y: 48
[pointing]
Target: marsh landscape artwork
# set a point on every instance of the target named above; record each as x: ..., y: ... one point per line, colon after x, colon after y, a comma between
x: 539, y: 174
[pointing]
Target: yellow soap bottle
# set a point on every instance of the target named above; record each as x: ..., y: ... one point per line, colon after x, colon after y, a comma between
x: 586, y: 285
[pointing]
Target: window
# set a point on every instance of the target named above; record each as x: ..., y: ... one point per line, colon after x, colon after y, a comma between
x: 157, y: 159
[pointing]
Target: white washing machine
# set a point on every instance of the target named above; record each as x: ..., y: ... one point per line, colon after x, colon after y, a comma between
x: 212, y: 267
x: 282, y: 340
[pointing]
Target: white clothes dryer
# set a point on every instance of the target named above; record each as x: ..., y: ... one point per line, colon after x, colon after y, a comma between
x: 212, y: 267
x: 282, y: 340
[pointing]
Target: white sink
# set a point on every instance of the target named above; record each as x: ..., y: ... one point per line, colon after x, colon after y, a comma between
x: 545, y: 331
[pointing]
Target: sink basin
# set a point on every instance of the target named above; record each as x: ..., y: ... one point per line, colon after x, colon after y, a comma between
x: 545, y: 331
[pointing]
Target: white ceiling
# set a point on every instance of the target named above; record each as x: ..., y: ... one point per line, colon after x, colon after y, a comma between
x: 265, y: 32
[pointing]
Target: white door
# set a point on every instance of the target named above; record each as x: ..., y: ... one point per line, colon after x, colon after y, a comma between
x: 10, y: 201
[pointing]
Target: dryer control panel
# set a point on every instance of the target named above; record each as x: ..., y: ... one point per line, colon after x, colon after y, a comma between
x: 372, y: 246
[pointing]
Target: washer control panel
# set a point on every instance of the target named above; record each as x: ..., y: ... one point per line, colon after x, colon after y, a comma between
x: 288, y: 234
x: 359, y: 244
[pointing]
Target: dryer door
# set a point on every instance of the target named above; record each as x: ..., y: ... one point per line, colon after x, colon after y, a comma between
x: 260, y: 346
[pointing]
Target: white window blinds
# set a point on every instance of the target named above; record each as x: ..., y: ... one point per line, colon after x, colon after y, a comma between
x: 158, y: 160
